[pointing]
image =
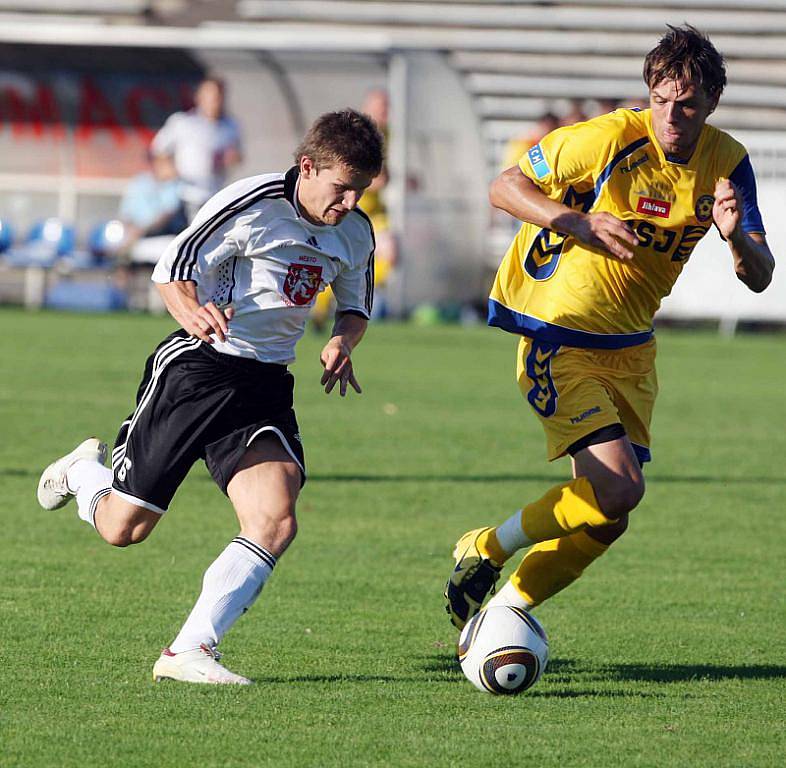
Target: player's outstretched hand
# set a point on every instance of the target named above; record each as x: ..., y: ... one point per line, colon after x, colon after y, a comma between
x: 726, y: 209
x: 607, y: 233
x: 337, y: 363
x: 208, y: 319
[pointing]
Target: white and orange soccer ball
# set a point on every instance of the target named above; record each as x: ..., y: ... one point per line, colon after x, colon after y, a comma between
x: 503, y: 650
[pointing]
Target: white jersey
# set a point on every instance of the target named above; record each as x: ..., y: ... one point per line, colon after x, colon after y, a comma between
x: 250, y: 248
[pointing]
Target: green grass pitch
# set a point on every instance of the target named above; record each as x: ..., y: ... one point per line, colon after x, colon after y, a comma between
x: 669, y: 652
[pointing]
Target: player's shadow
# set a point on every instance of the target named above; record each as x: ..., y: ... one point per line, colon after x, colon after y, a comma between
x: 681, y: 673
x: 291, y: 679
x: 569, y: 679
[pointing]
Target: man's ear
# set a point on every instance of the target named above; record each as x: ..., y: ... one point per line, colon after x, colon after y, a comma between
x: 307, y: 167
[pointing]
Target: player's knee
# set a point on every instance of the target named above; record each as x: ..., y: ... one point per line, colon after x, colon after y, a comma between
x: 287, y: 530
x: 126, y: 535
x: 274, y: 529
x: 622, y: 496
x: 121, y: 526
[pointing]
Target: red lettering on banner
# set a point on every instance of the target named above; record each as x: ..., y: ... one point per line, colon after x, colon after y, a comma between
x: 654, y: 207
x: 96, y: 112
x: 38, y: 114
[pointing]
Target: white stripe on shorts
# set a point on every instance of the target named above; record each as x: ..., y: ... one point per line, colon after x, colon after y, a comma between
x: 163, y: 357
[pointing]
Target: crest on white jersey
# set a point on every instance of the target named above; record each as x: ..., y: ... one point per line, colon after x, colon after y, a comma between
x: 302, y: 283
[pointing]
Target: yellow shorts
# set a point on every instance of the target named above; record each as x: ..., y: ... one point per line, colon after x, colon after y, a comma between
x: 577, y: 391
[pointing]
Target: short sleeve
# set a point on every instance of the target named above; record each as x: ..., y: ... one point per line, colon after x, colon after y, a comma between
x: 565, y: 157
x: 571, y: 155
x: 744, y: 179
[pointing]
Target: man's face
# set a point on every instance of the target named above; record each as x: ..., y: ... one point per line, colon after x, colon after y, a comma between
x: 209, y: 99
x: 327, y: 195
x: 679, y: 111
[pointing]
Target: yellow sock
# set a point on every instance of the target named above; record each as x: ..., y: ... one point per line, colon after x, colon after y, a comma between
x: 550, y: 566
x: 488, y: 545
x: 565, y: 509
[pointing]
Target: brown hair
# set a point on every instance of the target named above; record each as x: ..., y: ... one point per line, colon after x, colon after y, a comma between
x: 687, y: 56
x: 348, y: 138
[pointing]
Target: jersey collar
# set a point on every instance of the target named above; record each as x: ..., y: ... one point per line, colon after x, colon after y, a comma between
x: 290, y: 185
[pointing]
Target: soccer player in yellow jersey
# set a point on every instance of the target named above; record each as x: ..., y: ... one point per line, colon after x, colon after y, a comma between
x: 611, y: 209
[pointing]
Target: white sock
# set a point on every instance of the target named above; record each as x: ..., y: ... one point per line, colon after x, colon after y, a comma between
x: 510, y: 534
x: 508, y: 595
x: 230, y: 586
x: 90, y: 481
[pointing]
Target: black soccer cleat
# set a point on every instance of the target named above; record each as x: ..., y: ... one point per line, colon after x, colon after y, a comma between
x: 473, y: 578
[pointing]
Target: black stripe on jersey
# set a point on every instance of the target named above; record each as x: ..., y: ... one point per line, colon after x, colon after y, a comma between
x: 183, y: 264
x: 364, y: 215
x: 267, y: 191
x: 232, y: 287
x: 370, y: 283
x: 260, y: 552
x: 369, y: 300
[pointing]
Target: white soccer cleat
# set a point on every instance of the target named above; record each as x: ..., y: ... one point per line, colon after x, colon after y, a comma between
x: 53, y: 490
x: 197, y: 666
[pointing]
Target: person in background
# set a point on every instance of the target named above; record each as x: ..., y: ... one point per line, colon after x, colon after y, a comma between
x: 204, y: 144
x: 151, y: 205
x: 518, y: 145
x: 576, y: 113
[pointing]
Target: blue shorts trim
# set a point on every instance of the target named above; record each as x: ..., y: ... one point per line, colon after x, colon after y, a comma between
x: 642, y: 454
x: 501, y: 316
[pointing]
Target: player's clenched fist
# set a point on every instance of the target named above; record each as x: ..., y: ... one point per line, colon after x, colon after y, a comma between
x: 726, y: 209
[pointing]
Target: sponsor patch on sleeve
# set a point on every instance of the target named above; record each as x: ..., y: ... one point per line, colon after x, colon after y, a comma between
x: 538, y: 161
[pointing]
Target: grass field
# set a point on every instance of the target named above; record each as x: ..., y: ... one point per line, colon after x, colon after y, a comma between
x: 669, y: 652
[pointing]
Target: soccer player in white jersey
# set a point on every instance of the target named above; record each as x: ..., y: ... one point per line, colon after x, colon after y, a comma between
x: 240, y: 281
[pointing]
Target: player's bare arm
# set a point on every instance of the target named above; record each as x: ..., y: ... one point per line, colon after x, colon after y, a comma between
x: 336, y: 354
x: 517, y: 195
x: 200, y: 320
x: 753, y: 260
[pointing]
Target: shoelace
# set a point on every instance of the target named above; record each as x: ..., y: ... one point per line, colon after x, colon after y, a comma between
x: 212, y: 652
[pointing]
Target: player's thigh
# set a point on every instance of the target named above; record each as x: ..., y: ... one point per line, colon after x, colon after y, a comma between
x: 264, y: 489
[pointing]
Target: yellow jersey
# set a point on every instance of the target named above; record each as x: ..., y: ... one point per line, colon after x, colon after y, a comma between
x: 552, y: 288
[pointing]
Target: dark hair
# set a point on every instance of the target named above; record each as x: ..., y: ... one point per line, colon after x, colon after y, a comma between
x: 347, y: 138
x: 687, y: 56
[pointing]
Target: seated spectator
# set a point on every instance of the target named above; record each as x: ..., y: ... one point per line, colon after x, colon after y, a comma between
x: 151, y: 204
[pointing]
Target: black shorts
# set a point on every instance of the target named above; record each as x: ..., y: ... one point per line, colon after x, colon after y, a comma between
x: 196, y: 403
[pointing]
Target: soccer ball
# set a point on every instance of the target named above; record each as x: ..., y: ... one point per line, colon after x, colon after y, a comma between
x: 503, y: 650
